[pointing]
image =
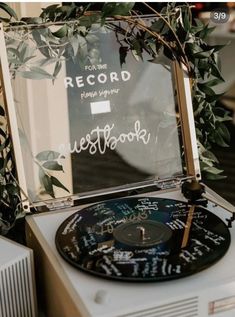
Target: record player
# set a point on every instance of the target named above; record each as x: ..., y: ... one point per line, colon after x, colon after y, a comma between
x: 107, y: 160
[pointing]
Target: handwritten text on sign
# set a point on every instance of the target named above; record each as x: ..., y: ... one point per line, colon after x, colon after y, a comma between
x: 99, y: 139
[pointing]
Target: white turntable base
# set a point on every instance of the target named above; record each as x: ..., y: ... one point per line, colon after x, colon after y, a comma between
x: 207, y: 293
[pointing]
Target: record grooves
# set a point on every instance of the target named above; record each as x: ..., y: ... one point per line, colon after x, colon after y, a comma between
x: 140, y: 239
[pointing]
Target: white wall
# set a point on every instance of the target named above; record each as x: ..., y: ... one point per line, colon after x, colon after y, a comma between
x: 31, y: 9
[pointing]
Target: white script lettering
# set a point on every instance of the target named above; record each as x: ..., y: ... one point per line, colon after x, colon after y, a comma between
x: 99, y: 139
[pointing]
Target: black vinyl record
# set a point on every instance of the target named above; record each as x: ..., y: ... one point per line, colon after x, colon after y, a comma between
x: 142, y: 239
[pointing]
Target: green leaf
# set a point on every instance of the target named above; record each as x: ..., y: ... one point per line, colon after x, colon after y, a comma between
x: 186, y: 22
x: 168, y: 53
x: 213, y: 97
x: 3, y: 146
x: 74, y: 41
x: 217, y: 48
x: 213, y: 82
x: 26, y: 59
x: 57, y: 69
x: 224, y: 132
x: 213, y: 170
x: 203, y: 54
x: 30, y: 75
x: 122, y: 54
x: 62, y: 32
x: 87, y: 21
x: 48, y: 156
x: 46, y: 182
x: 52, y: 165
x: 92, y: 38
x: 210, y: 176
x: 157, y: 26
x: 215, y: 72
x: 36, y: 73
x: 14, y: 51
x: 3, y: 133
x: 136, y: 46
x: 199, y: 23
x: 206, y: 31
x: 49, y: 12
x: 211, y: 156
x: 8, y: 10
x: 116, y: 8
x: 57, y: 183
x: 207, y: 90
x: 2, y: 111
x: 34, y: 20
x: 219, y: 139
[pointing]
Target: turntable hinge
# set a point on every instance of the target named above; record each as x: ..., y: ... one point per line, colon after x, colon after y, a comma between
x: 171, y: 183
x: 60, y: 204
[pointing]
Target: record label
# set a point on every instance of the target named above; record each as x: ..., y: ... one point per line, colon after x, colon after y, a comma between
x: 142, y: 239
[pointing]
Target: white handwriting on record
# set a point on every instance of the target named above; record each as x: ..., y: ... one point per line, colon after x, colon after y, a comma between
x: 100, y: 107
x: 72, y: 224
x: 122, y: 255
x: 100, y: 139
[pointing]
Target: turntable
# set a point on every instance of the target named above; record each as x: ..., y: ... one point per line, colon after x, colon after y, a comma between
x: 122, y: 225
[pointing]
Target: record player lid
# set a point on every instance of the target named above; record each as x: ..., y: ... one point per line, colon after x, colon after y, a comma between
x: 88, y: 121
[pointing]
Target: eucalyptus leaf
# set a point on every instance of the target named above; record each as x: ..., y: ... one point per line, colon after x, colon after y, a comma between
x: 203, y: 54
x: 206, y: 89
x: 206, y: 32
x: 3, y: 145
x: 116, y: 8
x: 123, y: 50
x: 48, y: 156
x: 2, y: 111
x: 219, y: 139
x: 52, y: 165
x: 217, y: 48
x: 213, y: 82
x: 216, y: 72
x: 211, y: 176
x: 87, y: 21
x: 92, y: 38
x: 211, y: 156
x: 213, y: 97
x: 224, y: 132
x: 213, y: 170
x: 46, y: 182
x: 34, y: 20
x: 40, y: 71
x: 57, y: 183
x: 74, y: 41
x: 57, y: 69
x: 3, y: 133
x: 14, y: 51
x: 33, y: 75
x: 136, y: 46
x: 157, y: 25
x: 5, y: 7
x: 62, y: 32
x: 186, y: 22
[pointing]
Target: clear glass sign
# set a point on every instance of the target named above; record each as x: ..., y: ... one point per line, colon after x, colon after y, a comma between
x: 88, y: 121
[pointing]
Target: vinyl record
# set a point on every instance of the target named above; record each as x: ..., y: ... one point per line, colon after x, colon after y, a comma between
x: 142, y: 239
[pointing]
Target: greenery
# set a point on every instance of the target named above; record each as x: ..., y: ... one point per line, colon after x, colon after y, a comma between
x: 174, y: 34
x: 10, y: 203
